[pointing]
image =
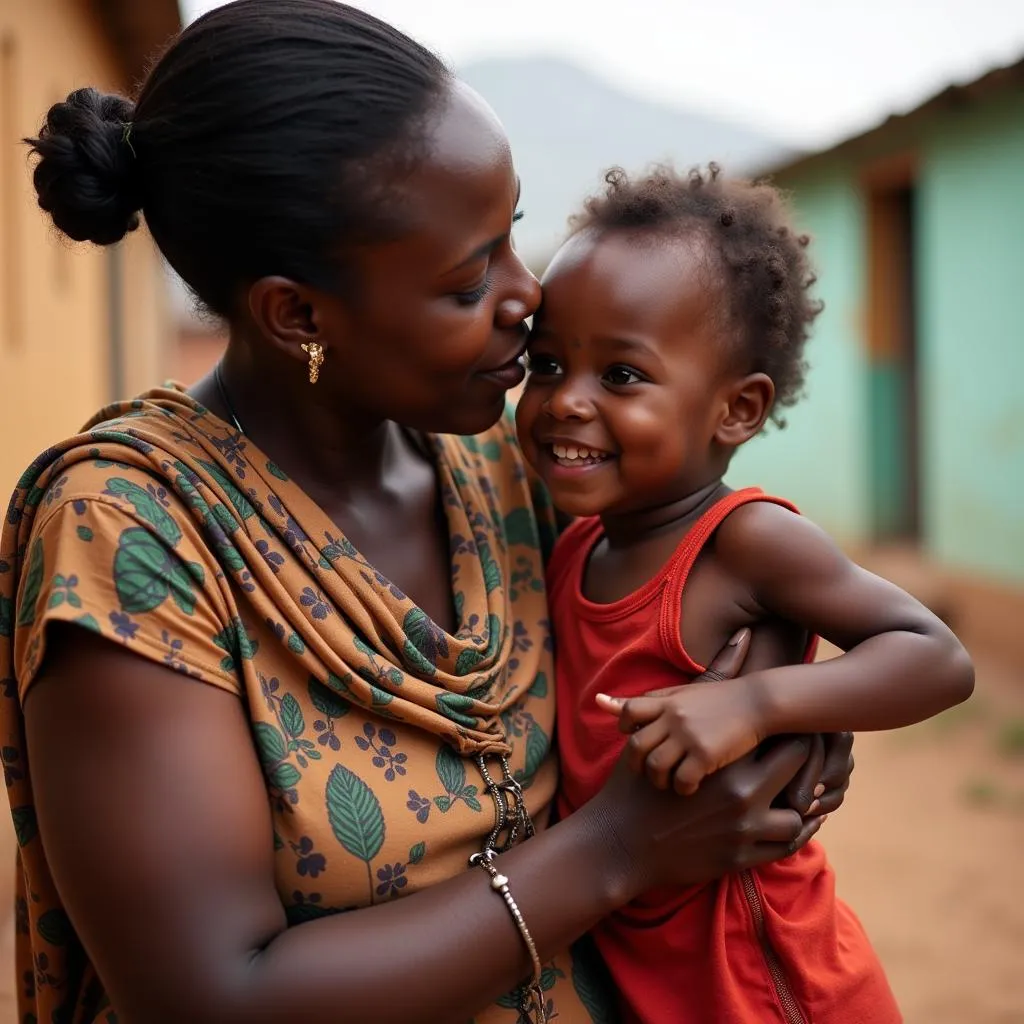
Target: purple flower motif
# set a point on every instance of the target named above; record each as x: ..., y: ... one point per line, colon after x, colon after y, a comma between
x: 384, y: 757
x: 392, y: 880
x: 309, y: 862
x: 159, y: 493
x: 273, y: 558
x: 419, y: 805
x: 123, y: 625
x: 9, y: 686
x: 327, y: 737
x: 316, y: 602
x: 79, y: 506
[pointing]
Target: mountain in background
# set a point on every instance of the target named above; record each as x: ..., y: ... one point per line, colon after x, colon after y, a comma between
x: 567, y: 126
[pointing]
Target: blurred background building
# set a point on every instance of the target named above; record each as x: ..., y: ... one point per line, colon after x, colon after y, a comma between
x: 898, y: 128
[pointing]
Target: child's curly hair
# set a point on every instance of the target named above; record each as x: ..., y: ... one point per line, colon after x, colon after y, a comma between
x: 764, y: 260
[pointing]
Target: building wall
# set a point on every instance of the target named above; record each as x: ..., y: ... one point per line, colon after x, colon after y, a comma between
x: 819, y: 459
x: 969, y: 253
x: 55, y: 297
x: 972, y: 328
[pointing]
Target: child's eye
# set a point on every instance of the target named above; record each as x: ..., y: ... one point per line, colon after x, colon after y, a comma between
x: 622, y: 375
x: 542, y: 366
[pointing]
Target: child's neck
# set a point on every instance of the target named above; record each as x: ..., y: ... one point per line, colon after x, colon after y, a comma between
x: 627, y: 529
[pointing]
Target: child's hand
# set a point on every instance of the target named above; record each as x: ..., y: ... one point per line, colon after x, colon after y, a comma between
x: 680, y: 737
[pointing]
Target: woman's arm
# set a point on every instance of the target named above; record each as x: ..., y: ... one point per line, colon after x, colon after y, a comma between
x: 154, y: 815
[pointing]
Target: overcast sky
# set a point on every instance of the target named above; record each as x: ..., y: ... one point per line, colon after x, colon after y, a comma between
x: 809, y: 71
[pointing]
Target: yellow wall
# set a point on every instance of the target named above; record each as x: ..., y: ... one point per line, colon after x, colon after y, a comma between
x: 55, y: 316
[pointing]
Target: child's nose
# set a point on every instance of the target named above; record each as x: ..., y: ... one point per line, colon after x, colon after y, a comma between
x: 570, y: 402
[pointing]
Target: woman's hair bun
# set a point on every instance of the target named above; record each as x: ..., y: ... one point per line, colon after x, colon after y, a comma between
x: 87, y: 175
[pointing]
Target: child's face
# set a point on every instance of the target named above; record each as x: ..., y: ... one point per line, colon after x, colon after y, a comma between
x: 629, y: 374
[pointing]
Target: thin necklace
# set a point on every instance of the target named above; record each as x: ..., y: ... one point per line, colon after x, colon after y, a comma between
x: 218, y: 377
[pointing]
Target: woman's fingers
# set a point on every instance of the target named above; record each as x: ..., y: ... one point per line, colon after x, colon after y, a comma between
x: 728, y: 662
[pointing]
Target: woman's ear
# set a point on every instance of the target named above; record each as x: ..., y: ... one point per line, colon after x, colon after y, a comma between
x: 290, y: 315
x: 748, y: 402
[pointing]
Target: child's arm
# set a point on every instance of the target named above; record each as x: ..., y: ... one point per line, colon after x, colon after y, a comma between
x: 902, y: 663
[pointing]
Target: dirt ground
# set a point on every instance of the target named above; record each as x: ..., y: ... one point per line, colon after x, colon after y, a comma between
x: 929, y: 850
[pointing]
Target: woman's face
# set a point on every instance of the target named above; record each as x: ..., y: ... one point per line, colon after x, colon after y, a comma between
x: 435, y: 336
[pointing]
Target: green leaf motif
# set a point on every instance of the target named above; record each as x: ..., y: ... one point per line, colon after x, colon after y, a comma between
x: 6, y: 616
x: 25, y: 826
x: 520, y: 528
x: 285, y: 776
x: 243, y: 506
x: 33, y: 584
x: 146, y: 573
x: 270, y: 742
x: 147, y: 508
x: 537, y: 747
x: 425, y: 642
x: 468, y: 660
x: 453, y: 705
x: 469, y: 797
x: 592, y: 985
x: 354, y: 813
x: 491, y: 450
x: 295, y: 644
x: 275, y: 471
x: 84, y: 533
x: 451, y: 770
x: 236, y: 641
x: 226, y: 551
x: 443, y: 803
x: 291, y: 716
x: 88, y: 621
x: 540, y: 685
x: 343, y: 684
x: 416, y: 853
x: 492, y: 574
x: 380, y: 698
x: 55, y: 927
x: 326, y: 701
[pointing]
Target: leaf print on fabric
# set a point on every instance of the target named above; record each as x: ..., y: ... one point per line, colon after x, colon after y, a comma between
x: 146, y: 573
x: 468, y: 660
x: 417, y: 853
x: 275, y: 471
x: 291, y: 716
x: 309, y: 861
x: 453, y: 706
x: 55, y: 927
x: 537, y: 746
x: 355, y: 816
x: 521, y: 528
x: 419, y: 805
x: 240, y: 502
x: 147, y: 507
x: 88, y: 621
x: 331, y: 706
x: 63, y: 589
x: 33, y: 584
x: 84, y: 533
x: 592, y: 983
x: 25, y: 825
x: 492, y: 574
x: 235, y: 639
x: 451, y: 770
x: 425, y: 641
x: 6, y: 616
x: 540, y: 685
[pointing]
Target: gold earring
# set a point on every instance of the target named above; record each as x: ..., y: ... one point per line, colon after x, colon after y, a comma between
x: 316, y: 359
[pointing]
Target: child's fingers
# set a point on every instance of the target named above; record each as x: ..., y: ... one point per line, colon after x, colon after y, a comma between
x: 635, y: 712
x: 662, y: 760
x: 642, y: 742
x: 688, y: 775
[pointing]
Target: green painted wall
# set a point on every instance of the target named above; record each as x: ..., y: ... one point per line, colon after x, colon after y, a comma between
x: 819, y: 460
x: 969, y: 254
x: 971, y: 317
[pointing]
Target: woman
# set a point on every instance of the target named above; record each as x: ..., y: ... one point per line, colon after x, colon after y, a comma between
x: 236, y: 723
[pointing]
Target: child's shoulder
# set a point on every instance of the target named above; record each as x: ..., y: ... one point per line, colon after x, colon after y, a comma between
x: 767, y: 537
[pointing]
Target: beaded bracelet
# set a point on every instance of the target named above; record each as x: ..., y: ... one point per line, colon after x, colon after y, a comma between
x: 532, y: 1004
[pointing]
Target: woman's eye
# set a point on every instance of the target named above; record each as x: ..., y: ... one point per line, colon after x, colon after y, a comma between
x: 622, y: 375
x: 542, y: 366
x: 471, y: 298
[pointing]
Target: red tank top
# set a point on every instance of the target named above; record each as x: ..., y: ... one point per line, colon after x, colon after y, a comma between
x: 767, y: 947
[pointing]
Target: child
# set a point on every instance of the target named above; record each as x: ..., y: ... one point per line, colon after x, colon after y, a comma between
x: 672, y: 328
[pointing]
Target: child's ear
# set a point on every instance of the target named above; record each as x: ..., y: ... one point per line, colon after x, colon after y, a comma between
x: 748, y: 403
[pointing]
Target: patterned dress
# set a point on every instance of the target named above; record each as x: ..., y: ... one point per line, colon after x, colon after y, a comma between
x: 165, y: 530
